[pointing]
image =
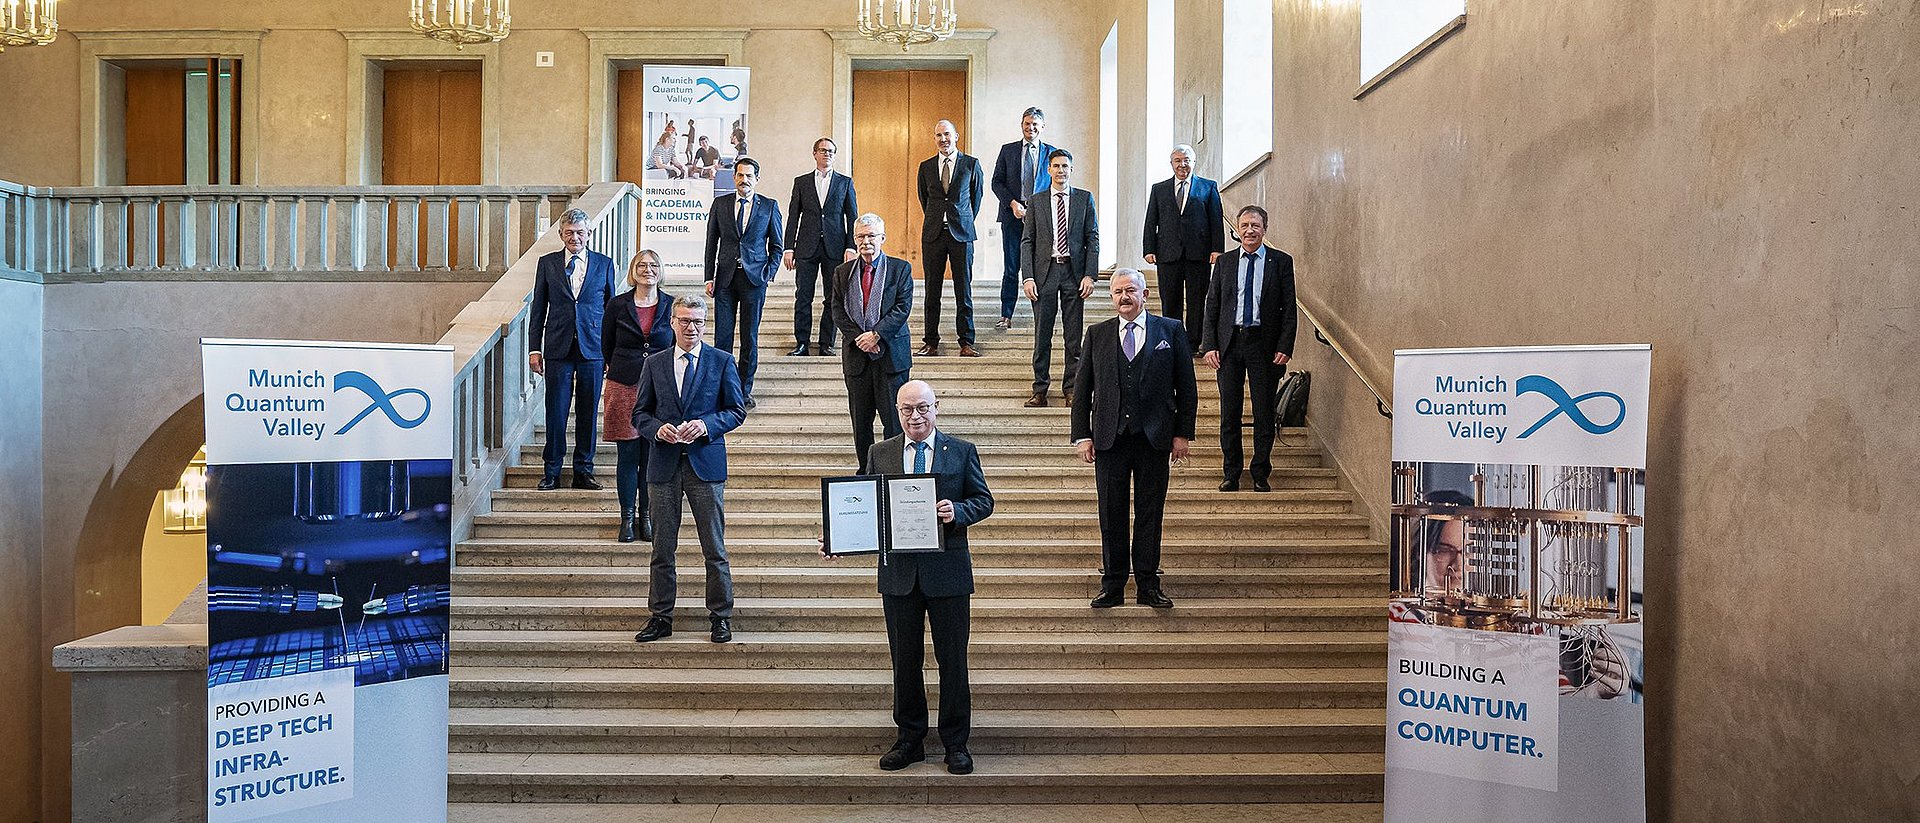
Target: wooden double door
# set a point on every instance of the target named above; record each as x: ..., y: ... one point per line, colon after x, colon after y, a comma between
x: 893, y: 116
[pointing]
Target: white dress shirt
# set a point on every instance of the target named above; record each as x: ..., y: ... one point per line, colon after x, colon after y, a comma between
x: 906, y: 451
x: 683, y: 368
x: 1139, y: 333
x: 822, y: 180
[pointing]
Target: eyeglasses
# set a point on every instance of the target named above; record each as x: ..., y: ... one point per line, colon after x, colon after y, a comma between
x: 690, y: 321
x: 920, y: 410
x: 575, y: 232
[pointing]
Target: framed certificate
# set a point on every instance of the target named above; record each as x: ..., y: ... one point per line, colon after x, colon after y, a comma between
x: 870, y: 514
x: 850, y: 509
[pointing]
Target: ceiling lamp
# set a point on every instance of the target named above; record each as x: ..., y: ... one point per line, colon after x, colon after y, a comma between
x: 27, y: 22
x: 907, y: 22
x: 460, y: 21
x: 184, y: 507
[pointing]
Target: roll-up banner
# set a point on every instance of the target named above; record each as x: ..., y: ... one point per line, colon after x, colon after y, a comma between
x: 329, y: 490
x: 696, y: 120
x: 1515, y: 642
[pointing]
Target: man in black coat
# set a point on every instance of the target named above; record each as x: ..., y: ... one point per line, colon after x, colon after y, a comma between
x: 1185, y: 234
x: 1133, y: 414
x: 1248, y: 337
x: 949, y: 188
x: 872, y: 299
x: 1019, y: 171
x: 742, y: 256
x: 571, y: 288
x: 819, y: 237
x: 1061, y: 248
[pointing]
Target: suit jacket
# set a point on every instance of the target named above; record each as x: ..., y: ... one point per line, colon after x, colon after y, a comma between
x: 816, y: 230
x: 956, y: 206
x: 624, y: 346
x: 713, y: 394
x: 1083, y: 241
x: 757, y: 248
x: 957, y: 477
x: 1006, y: 177
x: 1279, y: 315
x: 1167, y: 399
x: 1173, y: 234
x: 896, y: 301
x: 558, y: 320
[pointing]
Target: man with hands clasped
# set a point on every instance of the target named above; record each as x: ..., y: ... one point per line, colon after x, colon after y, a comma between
x: 1249, y: 323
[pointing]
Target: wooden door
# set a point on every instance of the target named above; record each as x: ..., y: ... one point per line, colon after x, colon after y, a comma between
x: 156, y: 123
x: 893, y: 116
x: 430, y: 136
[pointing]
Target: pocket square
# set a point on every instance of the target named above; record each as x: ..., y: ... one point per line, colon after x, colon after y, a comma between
x: 1163, y: 345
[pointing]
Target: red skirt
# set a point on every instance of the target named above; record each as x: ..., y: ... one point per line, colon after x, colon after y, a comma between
x: 616, y: 421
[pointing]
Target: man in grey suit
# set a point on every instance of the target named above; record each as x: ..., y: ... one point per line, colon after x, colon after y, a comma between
x: 1185, y: 234
x: 1060, y: 252
x: 1248, y: 337
x: 872, y: 299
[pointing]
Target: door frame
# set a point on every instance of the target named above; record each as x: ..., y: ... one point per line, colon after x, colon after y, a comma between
x: 103, y: 132
x: 967, y: 49
x: 367, y: 52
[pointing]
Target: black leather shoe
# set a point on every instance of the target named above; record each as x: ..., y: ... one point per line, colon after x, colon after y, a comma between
x: 626, y: 525
x: 548, y: 484
x: 750, y: 402
x: 1231, y: 484
x: 1036, y: 401
x: 1260, y: 485
x: 586, y: 481
x: 798, y: 351
x: 657, y: 628
x: 1154, y: 598
x: 902, y: 755
x: 1108, y: 599
x: 829, y: 351
x: 646, y: 526
x: 959, y: 761
x: 722, y: 630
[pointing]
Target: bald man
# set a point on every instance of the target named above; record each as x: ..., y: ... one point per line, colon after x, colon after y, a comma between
x: 949, y: 187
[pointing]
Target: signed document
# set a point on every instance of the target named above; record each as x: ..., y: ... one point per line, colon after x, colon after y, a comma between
x: 851, y: 507
x: 913, y: 516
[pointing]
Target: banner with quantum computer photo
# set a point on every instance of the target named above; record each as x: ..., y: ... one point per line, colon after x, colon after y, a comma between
x: 696, y: 122
x: 1515, y: 646
x: 329, y: 490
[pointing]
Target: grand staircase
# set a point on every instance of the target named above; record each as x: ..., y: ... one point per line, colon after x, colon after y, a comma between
x: 1264, y: 685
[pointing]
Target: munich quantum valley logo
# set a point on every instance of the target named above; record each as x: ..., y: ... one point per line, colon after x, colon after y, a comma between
x: 728, y: 92
x: 295, y: 404
x: 382, y: 400
x: 1480, y: 407
x: 692, y: 90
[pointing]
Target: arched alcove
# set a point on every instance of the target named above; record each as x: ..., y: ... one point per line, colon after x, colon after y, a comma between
x: 107, y: 558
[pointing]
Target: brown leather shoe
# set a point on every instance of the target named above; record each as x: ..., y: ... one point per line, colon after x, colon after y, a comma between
x: 1036, y: 401
x: 967, y: 350
x: 927, y: 350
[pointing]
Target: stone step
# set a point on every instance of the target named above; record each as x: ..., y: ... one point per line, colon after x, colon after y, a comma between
x: 1012, y: 501
x: 604, y: 812
x: 871, y: 731
x: 846, y: 580
x: 1262, y: 551
x: 760, y: 451
x: 1075, y: 525
x: 991, y: 614
x: 1069, y: 474
x: 1212, y: 688
x: 790, y: 778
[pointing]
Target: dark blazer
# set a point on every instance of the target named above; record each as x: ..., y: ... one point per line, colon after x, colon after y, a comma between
x: 957, y: 477
x: 1172, y: 234
x: 821, y: 230
x: 714, y: 396
x: 1083, y: 240
x: 1279, y: 315
x: 958, y: 206
x: 757, y: 248
x: 1168, y: 398
x: 624, y: 346
x: 896, y: 301
x: 1006, y: 177
x: 558, y: 320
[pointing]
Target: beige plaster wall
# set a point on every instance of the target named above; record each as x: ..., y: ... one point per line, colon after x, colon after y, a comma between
x: 22, y: 456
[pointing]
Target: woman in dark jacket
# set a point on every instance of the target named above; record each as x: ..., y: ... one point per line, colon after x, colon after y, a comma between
x: 636, y: 326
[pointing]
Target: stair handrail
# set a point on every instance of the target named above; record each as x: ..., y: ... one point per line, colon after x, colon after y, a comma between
x: 1381, y: 401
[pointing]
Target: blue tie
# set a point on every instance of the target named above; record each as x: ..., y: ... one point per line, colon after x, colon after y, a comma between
x: 920, y: 457
x: 1246, y: 291
x: 740, y: 217
x: 686, y: 382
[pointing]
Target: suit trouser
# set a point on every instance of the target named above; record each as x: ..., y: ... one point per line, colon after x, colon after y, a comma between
x: 576, y: 383
x: 740, y: 301
x: 1132, y: 460
x: 1240, y: 366
x: 1010, y: 233
x: 948, y: 618
x: 806, y: 273
x: 1183, y: 285
x: 710, y: 520
x: 1067, y: 304
x: 873, y: 392
x: 937, y: 255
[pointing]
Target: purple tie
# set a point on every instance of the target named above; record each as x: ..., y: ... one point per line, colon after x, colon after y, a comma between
x: 1126, y: 341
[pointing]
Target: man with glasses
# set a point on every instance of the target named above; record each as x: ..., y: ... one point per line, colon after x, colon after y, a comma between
x: 872, y: 297
x: 689, y: 398
x: 571, y: 288
x: 819, y: 233
x: 1247, y: 338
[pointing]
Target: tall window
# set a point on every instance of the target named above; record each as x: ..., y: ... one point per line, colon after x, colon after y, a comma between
x: 1160, y: 138
x: 1246, y: 84
x: 1105, y: 210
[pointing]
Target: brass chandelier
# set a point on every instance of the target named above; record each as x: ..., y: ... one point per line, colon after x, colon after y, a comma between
x: 460, y: 22
x: 28, y: 22
x: 907, y: 22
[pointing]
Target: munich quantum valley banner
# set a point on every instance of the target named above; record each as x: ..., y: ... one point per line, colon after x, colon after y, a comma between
x: 697, y: 119
x: 1515, y: 642
x: 329, y: 489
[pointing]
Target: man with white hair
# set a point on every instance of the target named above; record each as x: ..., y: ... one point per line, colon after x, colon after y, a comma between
x: 1185, y: 234
x: 571, y: 288
x: 872, y: 298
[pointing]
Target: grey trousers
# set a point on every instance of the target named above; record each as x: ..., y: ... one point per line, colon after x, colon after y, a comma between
x: 710, y: 520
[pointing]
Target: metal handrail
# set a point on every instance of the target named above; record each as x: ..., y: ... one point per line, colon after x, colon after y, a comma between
x: 1381, y: 402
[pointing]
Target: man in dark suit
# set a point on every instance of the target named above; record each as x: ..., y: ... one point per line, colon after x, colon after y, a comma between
x: 932, y: 586
x: 689, y: 398
x: 1248, y: 337
x: 1061, y: 252
x: 949, y: 189
x: 1133, y: 414
x: 1019, y: 171
x: 872, y: 299
x: 571, y: 288
x: 1185, y: 234
x: 819, y: 236
x: 743, y: 255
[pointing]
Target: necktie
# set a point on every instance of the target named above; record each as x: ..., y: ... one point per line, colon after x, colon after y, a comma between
x: 740, y: 219
x: 1246, y: 290
x: 946, y: 173
x: 575, y: 279
x: 1060, y: 224
x: 920, y: 457
x: 1182, y: 197
x: 866, y: 286
x: 686, y: 379
x: 1026, y: 167
x: 1127, y: 345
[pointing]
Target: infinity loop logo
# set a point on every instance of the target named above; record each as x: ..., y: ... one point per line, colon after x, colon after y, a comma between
x: 1567, y: 404
x: 382, y: 400
x: 728, y: 92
